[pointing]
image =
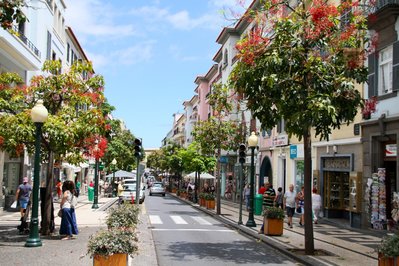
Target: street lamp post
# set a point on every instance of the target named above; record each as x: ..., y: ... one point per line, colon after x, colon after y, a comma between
x: 252, y: 143
x: 114, y: 162
x: 39, y: 115
x: 95, y: 201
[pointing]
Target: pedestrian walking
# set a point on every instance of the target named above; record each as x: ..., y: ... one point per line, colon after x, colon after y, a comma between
x: 247, y: 195
x: 68, y: 226
x: 268, y: 200
x: 22, y: 195
x: 78, y: 185
x: 316, y: 205
x: 59, y: 189
x: 300, y: 199
x: 289, y: 203
x: 278, y: 201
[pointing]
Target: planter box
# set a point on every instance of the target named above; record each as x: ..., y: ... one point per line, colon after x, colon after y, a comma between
x: 273, y: 227
x: 202, y: 202
x: 174, y: 190
x: 385, y: 261
x: 210, y: 204
x: 114, y: 260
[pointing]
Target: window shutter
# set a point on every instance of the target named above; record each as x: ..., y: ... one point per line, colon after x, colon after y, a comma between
x: 48, y: 45
x: 395, y: 66
x: 373, y: 74
x: 279, y: 126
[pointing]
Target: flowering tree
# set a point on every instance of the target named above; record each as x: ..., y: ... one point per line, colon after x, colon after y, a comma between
x: 10, y: 10
x: 74, y: 100
x: 301, y: 64
x: 218, y: 133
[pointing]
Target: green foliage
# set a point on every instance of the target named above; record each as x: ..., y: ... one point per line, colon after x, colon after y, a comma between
x: 123, y: 216
x: 114, y: 241
x: 209, y: 196
x: 120, y: 148
x: 10, y: 11
x: 389, y: 246
x: 274, y: 213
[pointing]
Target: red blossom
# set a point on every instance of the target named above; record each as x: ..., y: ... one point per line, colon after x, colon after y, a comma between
x: 370, y: 106
x: 95, y: 146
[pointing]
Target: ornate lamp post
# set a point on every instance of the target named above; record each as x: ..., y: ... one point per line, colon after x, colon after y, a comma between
x: 114, y: 162
x: 39, y: 115
x: 252, y: 143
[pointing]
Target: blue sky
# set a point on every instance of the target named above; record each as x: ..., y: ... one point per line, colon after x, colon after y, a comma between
x: 149, y: 52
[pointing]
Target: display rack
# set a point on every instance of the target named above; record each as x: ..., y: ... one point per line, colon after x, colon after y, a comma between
x: 337, y: 191
x: 378, y: 200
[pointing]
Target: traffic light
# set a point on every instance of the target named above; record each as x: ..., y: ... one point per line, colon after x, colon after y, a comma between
x: 242, y: 153
x: 137, y: 148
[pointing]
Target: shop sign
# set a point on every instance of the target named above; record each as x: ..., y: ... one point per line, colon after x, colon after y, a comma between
x: 224, y: 159
x: 296, y: 151
x: 391, y: 150
x: 280, y: 140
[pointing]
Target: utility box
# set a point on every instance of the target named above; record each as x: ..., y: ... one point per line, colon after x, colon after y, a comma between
x: 258, y: 204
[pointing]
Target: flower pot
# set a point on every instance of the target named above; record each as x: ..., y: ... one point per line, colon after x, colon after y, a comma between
x: 174, y: 190
x: 113, y: 260
x: 273, y: 227
x: 202, y: 202
x: 387, y: 261
x: 366, y: 116
x: 210, y: 204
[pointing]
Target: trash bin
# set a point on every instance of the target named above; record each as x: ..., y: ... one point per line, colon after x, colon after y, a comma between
x: 258, y: 204
x: 90, y: 193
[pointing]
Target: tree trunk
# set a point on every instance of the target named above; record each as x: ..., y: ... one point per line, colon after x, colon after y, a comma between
x: 309, y: 241
x: 48, y: 212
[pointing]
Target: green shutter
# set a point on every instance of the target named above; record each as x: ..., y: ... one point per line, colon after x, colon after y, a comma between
x: 373, y: 74
x: 395, y: 66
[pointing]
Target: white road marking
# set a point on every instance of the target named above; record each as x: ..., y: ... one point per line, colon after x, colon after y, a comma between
x: 178, y: 219
x: 155, y: 219
x: 201, y: 220
x: 193, y: 230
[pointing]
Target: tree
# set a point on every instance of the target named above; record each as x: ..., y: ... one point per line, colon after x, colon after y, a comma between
x: 10, y: 11
x: 218, y: 133
x: 301, y: 64
x: 74, y: 100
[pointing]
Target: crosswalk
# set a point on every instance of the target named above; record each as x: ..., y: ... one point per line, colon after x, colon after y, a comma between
x: 177, y: 219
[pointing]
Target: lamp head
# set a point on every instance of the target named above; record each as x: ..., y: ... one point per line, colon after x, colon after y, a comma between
x: 253, y: 140
x: 39, y: 112
x: 114, y: 162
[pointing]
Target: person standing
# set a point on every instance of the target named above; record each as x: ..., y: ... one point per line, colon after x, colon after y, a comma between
x: 78, y: 185
x: 59, y: 189
x: 68, y: 226
x: 301, y: 204
x: 316, y: 205
x: 23, y: 194
x: 278, y: 201
x: 268, y: 200
x: 289, y: 203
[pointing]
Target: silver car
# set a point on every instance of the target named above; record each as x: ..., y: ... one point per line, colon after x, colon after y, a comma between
x: 129, y: 193
x: 157, y: 188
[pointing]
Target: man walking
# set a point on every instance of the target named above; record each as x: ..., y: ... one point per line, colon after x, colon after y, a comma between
x: 289, y: 203
x: 268, y: 200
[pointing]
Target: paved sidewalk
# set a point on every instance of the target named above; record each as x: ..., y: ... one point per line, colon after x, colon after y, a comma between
x: 54, y: 251
x: 340, y: 244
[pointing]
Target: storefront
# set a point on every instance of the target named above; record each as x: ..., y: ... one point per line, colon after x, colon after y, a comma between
x: 380, y: 171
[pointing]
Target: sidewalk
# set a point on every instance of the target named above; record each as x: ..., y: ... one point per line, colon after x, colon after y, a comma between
x: 338, y: 244
x: 72, y: 252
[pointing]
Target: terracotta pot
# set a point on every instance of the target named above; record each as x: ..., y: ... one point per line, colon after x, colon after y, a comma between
x: 210, y: 204
x: 113, y: 260
x: 273, y: 227
x: 387, y: 261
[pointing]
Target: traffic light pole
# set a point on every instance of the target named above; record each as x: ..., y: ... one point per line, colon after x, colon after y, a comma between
x: 138, y: 153
x: 241, y: 196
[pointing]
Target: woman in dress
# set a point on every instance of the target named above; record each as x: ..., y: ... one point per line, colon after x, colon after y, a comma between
x: 68, y: 219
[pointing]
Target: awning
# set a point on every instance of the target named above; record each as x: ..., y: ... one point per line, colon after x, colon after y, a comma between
x: 74, y: 168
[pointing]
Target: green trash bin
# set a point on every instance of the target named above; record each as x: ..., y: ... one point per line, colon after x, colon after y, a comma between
x: 258, y: 204
x: 90, y: 193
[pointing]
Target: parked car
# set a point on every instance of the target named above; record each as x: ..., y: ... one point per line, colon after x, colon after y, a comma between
x: 129, y: 193
x: 157, y: 188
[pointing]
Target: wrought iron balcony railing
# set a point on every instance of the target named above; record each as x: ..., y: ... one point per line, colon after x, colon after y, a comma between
x: 26, y: 41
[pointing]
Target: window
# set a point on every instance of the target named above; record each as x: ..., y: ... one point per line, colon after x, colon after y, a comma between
x: 281, y: 126
x: 226, y: 58
x: 48, y: 56
x: 68, y: 48
x: 385, y: 71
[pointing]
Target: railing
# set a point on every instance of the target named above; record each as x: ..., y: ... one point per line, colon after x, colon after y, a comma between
x: 26, y: 41
x: 373, y: 6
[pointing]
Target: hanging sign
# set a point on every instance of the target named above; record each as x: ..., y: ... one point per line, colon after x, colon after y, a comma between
x: 391, y: 150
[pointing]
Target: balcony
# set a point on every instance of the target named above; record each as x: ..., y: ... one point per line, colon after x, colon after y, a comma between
x: 383, y: 12
x: 26, y: 41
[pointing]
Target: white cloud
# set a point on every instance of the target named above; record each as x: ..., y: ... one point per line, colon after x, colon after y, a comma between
x: 92, y: 17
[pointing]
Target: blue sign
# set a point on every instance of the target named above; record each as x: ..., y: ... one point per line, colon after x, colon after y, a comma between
x: 224, y: 159
x: 293, y: 151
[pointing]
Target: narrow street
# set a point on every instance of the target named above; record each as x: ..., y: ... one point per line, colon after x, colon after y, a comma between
x: 186, y: 236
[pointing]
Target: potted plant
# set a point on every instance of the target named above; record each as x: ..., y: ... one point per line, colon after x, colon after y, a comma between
x: 201, y: 197
x: 388, y: 250
x: 369, y: 107
x: 112, y: 247
x: 274, y: 221
x: 124, y: 216
x: 210, y: 201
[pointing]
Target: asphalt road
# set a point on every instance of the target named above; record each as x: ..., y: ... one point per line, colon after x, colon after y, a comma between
x: 186, y: 236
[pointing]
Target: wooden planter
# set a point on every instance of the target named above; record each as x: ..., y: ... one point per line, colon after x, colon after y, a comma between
x: 174, y: 190
x: 210, y: 204
x: 202, y: 202
x: 387, y: 261
x: 113, y: 260
x: 183, y: 195
x: 273, y: 227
